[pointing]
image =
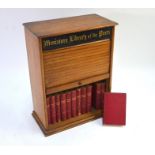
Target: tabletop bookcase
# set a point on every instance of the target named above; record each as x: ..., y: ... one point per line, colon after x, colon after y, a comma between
x: 65, y: 54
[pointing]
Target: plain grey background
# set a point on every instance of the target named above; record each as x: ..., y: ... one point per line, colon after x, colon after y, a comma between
x: 133, y: 73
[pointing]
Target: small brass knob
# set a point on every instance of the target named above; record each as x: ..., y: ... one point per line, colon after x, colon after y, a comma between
x: 79, y: 83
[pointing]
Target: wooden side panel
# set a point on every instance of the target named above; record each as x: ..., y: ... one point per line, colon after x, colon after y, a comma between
x: 72, y: 64
x: 37, y: 85
x: 111, y: 58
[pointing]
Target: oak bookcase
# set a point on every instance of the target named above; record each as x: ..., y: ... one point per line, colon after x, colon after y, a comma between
x: 64, y: 54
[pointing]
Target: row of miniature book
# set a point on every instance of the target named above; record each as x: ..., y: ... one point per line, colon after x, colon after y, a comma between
x: 75, y: 102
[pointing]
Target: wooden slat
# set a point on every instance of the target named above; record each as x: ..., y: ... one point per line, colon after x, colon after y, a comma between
x: 76, y: 63
x: 76, y: 83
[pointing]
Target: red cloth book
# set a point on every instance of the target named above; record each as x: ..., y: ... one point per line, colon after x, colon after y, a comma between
x: 53, y: 109
x: 89, y: 98
x: 103, y: 89
x: 98, y: 96
x: 68, y: 105
x: 78, y: 101
x: 83, y: 100
x: 114, y: 109
x: 63, y: 107
x: 58, y: 114
x: 48, y: 109
x: 73, y: 105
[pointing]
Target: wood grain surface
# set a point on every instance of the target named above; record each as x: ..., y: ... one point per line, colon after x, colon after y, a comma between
x: 66, y: 68
x: 68, y: 25
x: 36, y: 78
x: 76, y: 63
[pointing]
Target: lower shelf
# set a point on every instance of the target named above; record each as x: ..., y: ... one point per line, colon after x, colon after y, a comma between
x: 70, y: 123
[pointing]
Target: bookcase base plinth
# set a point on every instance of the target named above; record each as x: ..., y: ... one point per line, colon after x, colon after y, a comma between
x: 70, y: 123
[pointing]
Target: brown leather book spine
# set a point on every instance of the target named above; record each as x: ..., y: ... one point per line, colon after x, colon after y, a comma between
x: 68, y: 105
x: 58, y: 114
x: 98, y: 96
x: 89, y: 98
x: 83, y: 100
x: 78, y: 95
x: 53, y: 109
x: 48, y: 109
x: 73, y: 105
x: 63, y: 107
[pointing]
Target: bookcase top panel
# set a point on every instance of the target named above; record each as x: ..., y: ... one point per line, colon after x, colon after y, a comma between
x: 68, y: 25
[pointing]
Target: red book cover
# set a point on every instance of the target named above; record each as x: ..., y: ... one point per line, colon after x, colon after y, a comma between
x: 73, y: 105
x: 114, y: 109
x: 53, y: 109
x: 63, y: 107
x: 68, y: 105
x: 58, y: 114
x: 48, y: 109
x: 78, y: 102
x: 98, y: 96
x: 89, y: 98
x: 83, y: 100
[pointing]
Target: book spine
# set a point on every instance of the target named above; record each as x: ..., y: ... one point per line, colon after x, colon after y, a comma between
x: 103, y: 89
x: 63, y: 107
x: 89, y: 98
x: 73, y: 105
x: 98, y: 96
x: 78, y: 95
x: 48, y: 109
x: 83, y: 100
x: 68, y: 105
x: 53, y: 109
x: 58, y: 116
x: 94, y: 95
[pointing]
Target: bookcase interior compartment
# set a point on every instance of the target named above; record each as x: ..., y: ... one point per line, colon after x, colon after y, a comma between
x: 94, y: 113
x: 75, y: 102
x: 91, y: 114
x: 65, y: 55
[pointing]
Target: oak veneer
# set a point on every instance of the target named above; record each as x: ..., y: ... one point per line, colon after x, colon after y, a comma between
x: 67, y: 66
x: 79, y: 61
